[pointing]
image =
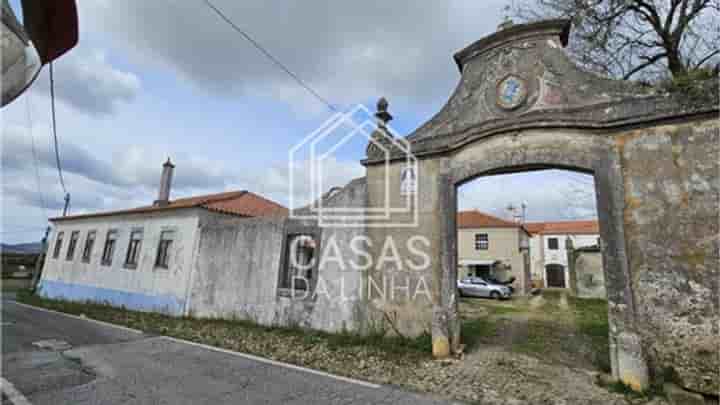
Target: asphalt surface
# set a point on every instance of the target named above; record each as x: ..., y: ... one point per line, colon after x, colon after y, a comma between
x: 108, y: 365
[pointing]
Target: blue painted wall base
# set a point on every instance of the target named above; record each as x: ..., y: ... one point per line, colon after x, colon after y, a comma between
x: 77, y: 292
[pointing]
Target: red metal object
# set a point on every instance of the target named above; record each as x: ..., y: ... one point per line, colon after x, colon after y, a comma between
x: 52, y: 26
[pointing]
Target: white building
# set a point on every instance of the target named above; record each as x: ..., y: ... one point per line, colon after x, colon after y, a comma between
x: 141, y: 258
x: 548, y: 253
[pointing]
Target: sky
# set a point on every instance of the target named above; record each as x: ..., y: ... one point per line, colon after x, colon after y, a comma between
x: 168, y: 78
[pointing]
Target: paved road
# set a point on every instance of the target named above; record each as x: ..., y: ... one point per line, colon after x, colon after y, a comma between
x: 114, y: 366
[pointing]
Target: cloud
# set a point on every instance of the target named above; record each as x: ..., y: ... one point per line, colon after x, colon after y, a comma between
x: 131, y: 178
x: 88, y: 82
x: 348, y: 51
x: 548, y: 194
x: 130, y: 168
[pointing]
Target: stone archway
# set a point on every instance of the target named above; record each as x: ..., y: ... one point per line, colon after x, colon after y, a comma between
x: 521, y: 105
x: 543, y: 149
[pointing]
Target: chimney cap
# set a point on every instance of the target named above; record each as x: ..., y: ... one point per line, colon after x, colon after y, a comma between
x: 168, y: 163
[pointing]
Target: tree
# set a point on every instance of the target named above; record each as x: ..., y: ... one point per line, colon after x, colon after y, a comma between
x: 646, y: 39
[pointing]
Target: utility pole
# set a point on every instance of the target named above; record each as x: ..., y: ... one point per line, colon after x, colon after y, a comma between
x: 40, y: 260
x: 67, y: 204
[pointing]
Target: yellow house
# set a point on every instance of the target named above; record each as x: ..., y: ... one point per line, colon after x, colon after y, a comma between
x: 492, y: 247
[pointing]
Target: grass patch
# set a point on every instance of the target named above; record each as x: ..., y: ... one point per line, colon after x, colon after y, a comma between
x: 242, y: 335
x: 591, y: 317
x: 474, y: 332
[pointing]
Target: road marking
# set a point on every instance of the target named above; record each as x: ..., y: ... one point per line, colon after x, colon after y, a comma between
x: 139, y: 332
x: 15, y: 397
x: 56, y: 345
x: 275, y: 363
x: 216, y: 349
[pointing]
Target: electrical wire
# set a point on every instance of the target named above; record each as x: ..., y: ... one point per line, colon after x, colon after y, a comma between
x: 54, y: 129
x: 34, y: 154
x: 272, y: 58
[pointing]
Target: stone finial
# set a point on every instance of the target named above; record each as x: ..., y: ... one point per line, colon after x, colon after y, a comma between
x: 507, y: 23
x: 168, y: 163
x: 382, y: 113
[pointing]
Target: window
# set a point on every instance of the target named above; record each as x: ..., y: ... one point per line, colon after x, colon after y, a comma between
x: 74, y: 236
x: 109, y: 248
x: 297, y: 272
x: 481, y: 241
x: 553, y: 243
x: 163, y: 254
x: 58, y: 245
x: 133, y: 251
x: 87, y: 250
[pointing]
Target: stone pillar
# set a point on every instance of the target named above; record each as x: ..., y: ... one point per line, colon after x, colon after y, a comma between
x: 572, y: 273
x: 446, y: 323
x: 627, y: 358
x: 525, y: 285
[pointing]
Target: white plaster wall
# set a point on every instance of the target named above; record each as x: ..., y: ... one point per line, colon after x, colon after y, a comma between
x: 559, y: 256
x: 236, y: 275
x: 236, y: 270
x: 145, y: 278
x: 537, y: 261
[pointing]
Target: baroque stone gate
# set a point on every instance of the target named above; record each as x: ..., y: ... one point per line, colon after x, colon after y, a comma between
x: 522, y: 104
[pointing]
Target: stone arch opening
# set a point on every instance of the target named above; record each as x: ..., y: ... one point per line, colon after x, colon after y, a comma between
x: 530, y: 150
x: 522, y: 104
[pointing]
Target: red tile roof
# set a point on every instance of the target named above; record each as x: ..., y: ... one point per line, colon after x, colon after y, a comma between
x: 562, y: 227
x: 241, y: 203
x: 477, y: 219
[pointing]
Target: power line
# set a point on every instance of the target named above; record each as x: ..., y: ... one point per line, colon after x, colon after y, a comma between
x: 57, y: 148
x: 54, y: 128
x: 267, y: 54
x: 34, y: 154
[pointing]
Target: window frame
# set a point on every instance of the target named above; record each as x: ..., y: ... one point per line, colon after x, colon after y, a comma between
x: 58, y: 244
x: 133, y: 249
x: 106, y: 260
x: 292, y: 231
x: 89, y: 245
x: 72, y: 245
x: 164, y: 247
x: 556, y: 242
x: 481, y: 244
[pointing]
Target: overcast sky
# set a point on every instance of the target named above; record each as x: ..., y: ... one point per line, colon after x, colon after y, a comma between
x: 152, y: 79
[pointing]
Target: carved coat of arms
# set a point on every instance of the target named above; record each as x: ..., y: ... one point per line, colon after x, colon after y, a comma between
x: 512, y: 92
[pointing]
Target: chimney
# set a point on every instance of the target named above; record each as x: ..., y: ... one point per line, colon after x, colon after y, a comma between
x: 165, y: 183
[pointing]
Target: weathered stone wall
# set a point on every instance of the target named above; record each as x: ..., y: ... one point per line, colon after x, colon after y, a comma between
x: 237, y: 269
x: 589, y: 278
x: 235, y: 272
x: 672, y: 186
x: 409, y: 293
x: 523, y: 104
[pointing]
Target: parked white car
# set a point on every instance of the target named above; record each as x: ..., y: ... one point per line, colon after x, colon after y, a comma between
x: 478, y: 287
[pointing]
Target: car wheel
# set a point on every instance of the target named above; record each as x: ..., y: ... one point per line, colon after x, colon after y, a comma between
x: 495, y: 295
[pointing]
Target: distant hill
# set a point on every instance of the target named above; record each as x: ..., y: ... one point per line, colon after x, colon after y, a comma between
x: 33, y: 247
